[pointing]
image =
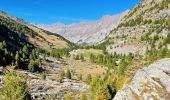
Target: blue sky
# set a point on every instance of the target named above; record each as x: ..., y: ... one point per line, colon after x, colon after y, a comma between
x: 65, y: 11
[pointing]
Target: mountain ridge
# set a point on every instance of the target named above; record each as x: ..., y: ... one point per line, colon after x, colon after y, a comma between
x: 86, y: 32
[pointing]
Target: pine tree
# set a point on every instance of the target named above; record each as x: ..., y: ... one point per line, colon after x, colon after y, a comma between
x: 92, y: 58
x: 122, y: 67
x: 82, y: 96
x: 103, y: 94
x: 76, y: 57
x: 4, y: 44
x: 17, y: 60
x: 31, y: 66
x: 60, y: 77
x: 70, y: 96
x: 25, y: 50
x: 6, y: 51
x: 89, y: 78
x: 14, y: 87
x: 43, y: 76
x: 81, y: 57
x: 1, y: 45
x: 163, y: 52
x: 68, y: 74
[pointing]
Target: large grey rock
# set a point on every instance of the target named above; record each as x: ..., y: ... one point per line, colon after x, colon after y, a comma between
x: 149, y: 83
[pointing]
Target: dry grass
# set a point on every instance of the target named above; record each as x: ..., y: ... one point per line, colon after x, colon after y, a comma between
x: 46, y: 41
x: 84, y: 68
x: 92, y: 51
x: 88, y: 52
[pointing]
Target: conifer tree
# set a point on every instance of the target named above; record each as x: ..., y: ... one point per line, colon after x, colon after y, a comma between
x: 60, y: 77
x: 17, y: 60
x: 89, y: 78
x: 102, y: 94
x: 68, y: 74
x: 31, y: 66
x: 82, y: 96
x: 14, y: 87
x: 25, y: 49
x: 70, y: 96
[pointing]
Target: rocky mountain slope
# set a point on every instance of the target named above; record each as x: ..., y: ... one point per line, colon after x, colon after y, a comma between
x: 50, y: 88
x: 144, y: 32
x: 86, y: 32
x: 150, y: 18
x: 149, y: 83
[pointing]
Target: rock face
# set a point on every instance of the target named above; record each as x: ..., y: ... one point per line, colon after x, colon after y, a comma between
x: 86, y: 32
x: 149, y: 83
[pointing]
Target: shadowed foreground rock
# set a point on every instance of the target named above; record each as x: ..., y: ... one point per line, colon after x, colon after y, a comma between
x: 149, y: 83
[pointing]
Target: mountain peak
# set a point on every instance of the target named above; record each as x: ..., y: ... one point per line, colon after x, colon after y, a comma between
x: 86, y: 32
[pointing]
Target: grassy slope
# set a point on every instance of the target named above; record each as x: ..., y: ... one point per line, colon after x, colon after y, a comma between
x: 42, y: 39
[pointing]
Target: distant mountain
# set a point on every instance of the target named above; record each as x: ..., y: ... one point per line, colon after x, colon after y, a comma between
x: 86, y: 32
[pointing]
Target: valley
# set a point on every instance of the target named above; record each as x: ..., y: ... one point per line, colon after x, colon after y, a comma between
x: 121, y: 57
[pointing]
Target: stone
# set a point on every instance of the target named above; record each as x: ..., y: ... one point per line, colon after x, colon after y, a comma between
x: 149, y: 83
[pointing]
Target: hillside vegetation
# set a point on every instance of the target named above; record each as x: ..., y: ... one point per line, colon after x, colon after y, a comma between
x: 21, y: 43
x: 54, y: 68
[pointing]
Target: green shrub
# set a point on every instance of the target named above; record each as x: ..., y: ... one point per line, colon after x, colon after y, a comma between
x: 60, y: 77
x: 31, y: 66
x: 14, y: 88
x: 68, y: 74
x: 82, y: 96
x: 43, y: 75
x: 70, y: 96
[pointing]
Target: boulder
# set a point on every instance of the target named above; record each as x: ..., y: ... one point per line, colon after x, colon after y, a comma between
x: 149, y: 83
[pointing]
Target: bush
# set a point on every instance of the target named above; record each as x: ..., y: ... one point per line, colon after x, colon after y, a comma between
x: 60, y: 77
x: 103, y: 94
x: 58, y: 53
x: 168, y: 38
x: 14, y: 88
x: 70, y: 96
x: 68, y: 74
x: 89, y: 78
x: 43, y: 75
x: 82, y: 96
x: 34, y: 65
x: 31, y: 66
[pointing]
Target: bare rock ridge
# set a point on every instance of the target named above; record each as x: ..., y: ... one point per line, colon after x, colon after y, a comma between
x: 149, y: 83
x: 86, y: 32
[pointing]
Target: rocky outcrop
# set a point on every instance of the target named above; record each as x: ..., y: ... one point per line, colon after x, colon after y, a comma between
x: 149, y: 83
x: 43, y: 89
x: 86, y: 32
x: 50, y: 88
